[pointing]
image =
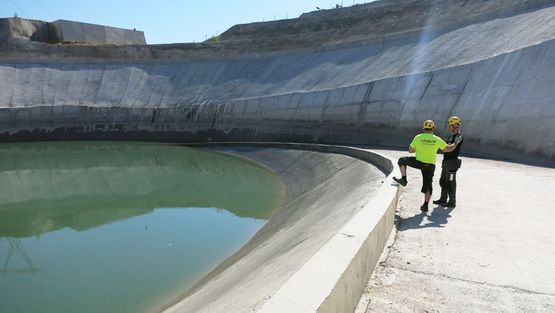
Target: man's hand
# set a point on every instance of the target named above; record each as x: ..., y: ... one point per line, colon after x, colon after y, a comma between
x: 450, y: 147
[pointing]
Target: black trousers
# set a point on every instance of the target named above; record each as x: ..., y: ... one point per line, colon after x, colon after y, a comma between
x: 427, y: 170
x: 448, y: 180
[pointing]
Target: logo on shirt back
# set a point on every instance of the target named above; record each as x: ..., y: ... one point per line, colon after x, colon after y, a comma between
x: 428, y: 141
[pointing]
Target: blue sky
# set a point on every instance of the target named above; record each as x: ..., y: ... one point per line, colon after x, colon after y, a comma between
x: 166, y: 21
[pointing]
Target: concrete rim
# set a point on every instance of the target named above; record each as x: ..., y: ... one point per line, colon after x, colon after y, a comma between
x: 334, y: 278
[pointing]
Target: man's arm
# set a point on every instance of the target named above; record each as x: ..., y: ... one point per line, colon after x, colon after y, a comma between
x: 449, y: 147
x: 412, y: 149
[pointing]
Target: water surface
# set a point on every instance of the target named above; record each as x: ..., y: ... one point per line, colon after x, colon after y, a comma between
x: 120, y: 227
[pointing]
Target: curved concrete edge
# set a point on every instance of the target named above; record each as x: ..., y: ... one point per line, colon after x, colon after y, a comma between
x: 383, y: 162
x: 334, y: 278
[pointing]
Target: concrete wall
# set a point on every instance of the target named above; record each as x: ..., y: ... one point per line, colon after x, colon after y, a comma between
x: 377, y: 94
x: 70, y: 31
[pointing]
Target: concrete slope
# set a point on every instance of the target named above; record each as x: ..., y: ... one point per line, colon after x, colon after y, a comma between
x: 495, y: 74
x: 152, y: 84
x: 324, y: 192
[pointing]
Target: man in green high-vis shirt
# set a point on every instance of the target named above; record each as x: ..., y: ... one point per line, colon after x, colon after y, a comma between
x: 426, y: 146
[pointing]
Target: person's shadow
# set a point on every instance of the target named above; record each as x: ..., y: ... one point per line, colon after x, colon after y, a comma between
x: 409, y: 222
x: 438, y: 218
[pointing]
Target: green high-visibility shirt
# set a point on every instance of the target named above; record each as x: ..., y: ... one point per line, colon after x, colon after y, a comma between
x: 426, y: 145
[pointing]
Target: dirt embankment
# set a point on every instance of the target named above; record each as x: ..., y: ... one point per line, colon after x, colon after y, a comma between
x: 380, y: 21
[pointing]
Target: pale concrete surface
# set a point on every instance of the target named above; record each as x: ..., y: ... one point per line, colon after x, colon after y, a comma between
x: 494, y: 252
x: 324, y: 192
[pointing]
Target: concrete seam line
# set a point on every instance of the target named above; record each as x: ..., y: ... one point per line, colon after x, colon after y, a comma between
x: 317, y: 185
x: 292, y: 163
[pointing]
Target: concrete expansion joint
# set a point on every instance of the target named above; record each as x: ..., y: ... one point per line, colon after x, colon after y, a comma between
x: 330, y: 176
x: 396, y: 225
x: 293, y: 163
x: 513, y: 288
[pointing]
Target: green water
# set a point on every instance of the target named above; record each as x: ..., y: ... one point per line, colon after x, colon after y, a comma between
x: 120, y: 227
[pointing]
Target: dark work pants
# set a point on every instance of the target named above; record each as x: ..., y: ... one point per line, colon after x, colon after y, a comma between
x: 448, y: 180
x: 426, y: 169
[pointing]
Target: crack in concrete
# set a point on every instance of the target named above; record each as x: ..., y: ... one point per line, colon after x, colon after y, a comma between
x: 292, y: 163
x: 513, y: 288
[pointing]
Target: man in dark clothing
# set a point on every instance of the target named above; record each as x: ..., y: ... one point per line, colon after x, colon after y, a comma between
x: 451, y: 163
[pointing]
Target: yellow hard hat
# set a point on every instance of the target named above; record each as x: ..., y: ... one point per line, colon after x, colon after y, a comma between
x: 429, y: 125
x: 454, y: 120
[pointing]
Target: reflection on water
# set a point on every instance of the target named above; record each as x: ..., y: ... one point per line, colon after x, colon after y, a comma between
x: 43, y: 183
x: 119, y: 227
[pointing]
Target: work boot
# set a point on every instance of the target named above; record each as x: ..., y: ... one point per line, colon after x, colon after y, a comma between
x: 400, y: 181
x: 440, y: 202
